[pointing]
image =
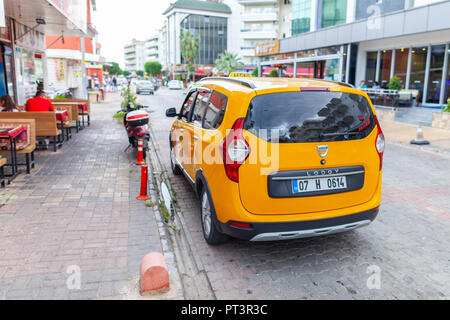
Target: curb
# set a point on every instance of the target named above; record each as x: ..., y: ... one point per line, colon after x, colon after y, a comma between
x: 193, y: 276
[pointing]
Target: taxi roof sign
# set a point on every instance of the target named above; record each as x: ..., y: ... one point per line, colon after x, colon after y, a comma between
x: 241, y: 75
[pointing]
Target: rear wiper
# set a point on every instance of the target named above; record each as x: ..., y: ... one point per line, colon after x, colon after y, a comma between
x: 338, y: 134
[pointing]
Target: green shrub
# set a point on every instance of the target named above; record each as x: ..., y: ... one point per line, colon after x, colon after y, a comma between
x: 395, y: 84
x: 255, y: 72
x: 447, y: 107
x: 273, y: 73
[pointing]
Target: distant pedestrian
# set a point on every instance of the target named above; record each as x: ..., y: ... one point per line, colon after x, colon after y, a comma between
x: 114, y: 81
x: 363, y: 85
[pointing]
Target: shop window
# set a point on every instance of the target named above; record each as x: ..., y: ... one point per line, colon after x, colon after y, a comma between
x: 418, y: 66
x: 401, y: 64
x: 385, y: 68
x: 435, y: 76
x: 447, y: 82
x: 371, y: 68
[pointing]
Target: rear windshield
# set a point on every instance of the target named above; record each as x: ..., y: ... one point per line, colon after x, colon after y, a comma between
x: 311, y: 116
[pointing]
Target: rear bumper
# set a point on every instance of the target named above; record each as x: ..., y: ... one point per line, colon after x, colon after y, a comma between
x: 274, y: 231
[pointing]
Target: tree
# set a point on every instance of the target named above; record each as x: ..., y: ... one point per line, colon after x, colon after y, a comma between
x: 255, y: 72
x: 153, y: 68
x: 127, y: 73
x: 189, y: 44
x: 140, y: 73
x: 273, y: 73
x: 228, y: 62
x: 113, y: 69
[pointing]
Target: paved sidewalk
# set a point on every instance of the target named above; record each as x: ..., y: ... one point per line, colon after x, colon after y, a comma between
x: 404, y: 133
x: 77, y: 209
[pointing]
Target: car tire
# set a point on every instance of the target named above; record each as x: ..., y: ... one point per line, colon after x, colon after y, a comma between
x: 208, y: 219
x: 175, y: 167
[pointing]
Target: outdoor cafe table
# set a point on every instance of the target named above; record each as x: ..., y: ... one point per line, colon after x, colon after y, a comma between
x: 62, y: 115
x: 11, y: 133
x: 81, y: 106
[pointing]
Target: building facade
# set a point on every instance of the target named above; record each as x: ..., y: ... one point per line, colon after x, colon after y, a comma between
x: 24, y: 62
x: 152, y: 49
x: 368, y: 40
x: 211, y: 21
x: 135, y: 55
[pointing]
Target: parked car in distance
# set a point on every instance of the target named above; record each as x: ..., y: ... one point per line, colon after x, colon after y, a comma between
x: 145, y: 86
x: 278, y: 159
x: 175, y: 85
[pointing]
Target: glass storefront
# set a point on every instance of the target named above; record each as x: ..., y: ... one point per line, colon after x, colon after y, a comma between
x: 29, y: 71
x: 212, y: 32
x: 418, y: 66
x: 334, y: 12
x: 301, y: 16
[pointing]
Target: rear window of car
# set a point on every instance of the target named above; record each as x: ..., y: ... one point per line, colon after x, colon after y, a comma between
x: 309, y: 116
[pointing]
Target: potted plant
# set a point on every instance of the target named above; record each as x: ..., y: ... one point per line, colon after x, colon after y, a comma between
x: 395, y: 84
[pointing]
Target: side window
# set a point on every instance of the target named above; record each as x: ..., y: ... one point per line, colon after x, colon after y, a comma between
x: 201, y: 103
x: 187, y: 106
x: 216, y: 110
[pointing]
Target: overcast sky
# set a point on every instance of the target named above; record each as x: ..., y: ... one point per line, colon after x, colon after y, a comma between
x: 119, y: 21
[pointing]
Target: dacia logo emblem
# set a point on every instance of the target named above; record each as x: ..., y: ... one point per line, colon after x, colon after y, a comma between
x: 323, y: 151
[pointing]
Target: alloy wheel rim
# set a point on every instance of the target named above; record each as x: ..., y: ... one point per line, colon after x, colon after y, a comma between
x: 206, y: 214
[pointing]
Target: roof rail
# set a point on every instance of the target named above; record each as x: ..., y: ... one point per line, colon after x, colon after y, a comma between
x: 244, y: 83
x: 338, y: 82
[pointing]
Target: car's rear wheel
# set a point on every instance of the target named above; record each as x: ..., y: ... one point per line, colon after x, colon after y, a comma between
x: 210, y: 232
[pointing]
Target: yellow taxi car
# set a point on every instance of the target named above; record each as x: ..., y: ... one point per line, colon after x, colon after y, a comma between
x: 277, y: 158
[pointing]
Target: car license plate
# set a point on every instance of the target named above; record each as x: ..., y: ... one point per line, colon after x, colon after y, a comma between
x: 319, y: 184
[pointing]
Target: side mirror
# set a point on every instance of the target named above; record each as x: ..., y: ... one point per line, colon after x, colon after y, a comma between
x: 171, y: 112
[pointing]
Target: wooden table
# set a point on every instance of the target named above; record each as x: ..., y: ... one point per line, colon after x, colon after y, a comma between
x: 11, y: 133
x: 62, y: 115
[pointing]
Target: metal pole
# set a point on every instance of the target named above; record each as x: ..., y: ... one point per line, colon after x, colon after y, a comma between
x: 83, y: 70
x: 392, y: 64
x: 295, y: 66
x: 347, y: 67
x: 377, y: 68
x: 408, y: 70
x: 444, y: 76
x: 427, y: 76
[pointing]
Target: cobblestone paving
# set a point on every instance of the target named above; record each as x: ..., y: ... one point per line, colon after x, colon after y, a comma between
x: 408, y: 245
x: 77, y: 207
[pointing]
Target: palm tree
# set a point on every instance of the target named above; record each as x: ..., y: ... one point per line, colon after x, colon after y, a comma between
x: 189, y: 44
x: 228, y: 62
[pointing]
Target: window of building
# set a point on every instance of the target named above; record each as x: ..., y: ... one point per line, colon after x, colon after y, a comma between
x: 401, y: 65
x: 334, y: 12
x: 435, y: 76
x: 418, y: 66
x: 385, y: 68
x: 301, y: 16
x: 371, y: 68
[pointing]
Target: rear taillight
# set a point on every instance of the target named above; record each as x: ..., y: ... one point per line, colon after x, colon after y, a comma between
x: 379, y: 142
x: 235, y: 150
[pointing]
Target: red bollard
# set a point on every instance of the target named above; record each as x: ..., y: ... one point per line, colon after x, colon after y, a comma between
x: 140, y: 159
x: 144, y: 177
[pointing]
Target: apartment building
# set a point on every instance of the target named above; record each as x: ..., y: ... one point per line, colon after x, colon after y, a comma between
x: 151, y: 49
x: 135, y: 55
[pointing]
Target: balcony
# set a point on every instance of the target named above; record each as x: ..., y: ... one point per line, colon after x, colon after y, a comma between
x: 251, y: 17
x: 258, y: 34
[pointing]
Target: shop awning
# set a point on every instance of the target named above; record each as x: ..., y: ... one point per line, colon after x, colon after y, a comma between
x: 61, y: 17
